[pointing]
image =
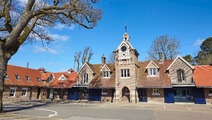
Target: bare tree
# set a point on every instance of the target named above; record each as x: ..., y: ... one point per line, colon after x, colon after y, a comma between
x: 86, y: 57
x: 168, y: 46
x: 20, y: 21
x: 77, y: 59
x: 85, y: 54
x: 111, y: 58
x: 90, y: 54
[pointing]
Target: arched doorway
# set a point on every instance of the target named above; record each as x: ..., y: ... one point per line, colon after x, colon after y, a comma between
x: 125, y: 94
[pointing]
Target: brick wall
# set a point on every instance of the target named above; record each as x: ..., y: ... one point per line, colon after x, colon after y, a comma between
x: 155, y: 98
x: 18, y: 94
x: 208, y: 97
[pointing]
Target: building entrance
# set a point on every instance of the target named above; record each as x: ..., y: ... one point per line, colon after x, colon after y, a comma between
x: 183, y: 95
x: 125, y: 94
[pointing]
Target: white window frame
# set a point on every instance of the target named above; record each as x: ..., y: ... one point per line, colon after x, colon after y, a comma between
x: 17, y: 77
x: 6, y: 77
x: 125, y: 73
x: 106, y: 74
x: 12, y: 92
x: 181, y: 75
x: 104, y: 91
x: 155, y: 91
x: 85, y: 78
x: 210, y: 93
x: 24, y: 90
x: 152, y: 71
x: 38, y: 79
x: 27, y: 78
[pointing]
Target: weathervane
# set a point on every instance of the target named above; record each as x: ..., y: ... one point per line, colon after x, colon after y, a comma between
x: 125, y: 27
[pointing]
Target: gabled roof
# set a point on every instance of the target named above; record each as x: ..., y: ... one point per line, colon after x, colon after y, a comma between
x: 152, y: 63
x: 162, y: 81
x: 88, y: 65
x: 105, y: 65
x: 61, y: 77
x: 178, y: 57
x: 45, y: 76
x: 22, y: 72
x: 98, y: 81
x: 71, y: 78
x: 203, y: 76
x: 126, y: 43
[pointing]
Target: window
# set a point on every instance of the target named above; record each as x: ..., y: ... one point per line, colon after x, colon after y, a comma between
x: 24, y: 92
x: 62, y: 78
x: 180, y: 75
x: 104, y: 91
x: 85, y: 78
x: 27, y: 78
x: 12, y: 91
x: 155, y: 91
x: 210, y: 93
x: 50, y: 78
x: 39, y: 80
x: 106, y: 73
x: 125, y: 72
x: 6, y: 76
x: 17, y: 77
x: 152, y: 71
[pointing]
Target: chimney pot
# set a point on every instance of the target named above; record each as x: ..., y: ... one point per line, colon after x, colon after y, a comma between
x: 160, y: 57
x: 103, y: 59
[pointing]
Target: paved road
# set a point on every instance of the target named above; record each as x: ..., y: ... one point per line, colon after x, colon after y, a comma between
x: 106, y: 111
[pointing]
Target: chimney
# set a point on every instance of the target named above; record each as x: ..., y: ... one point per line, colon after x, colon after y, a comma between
x: 103, y: 59
x: 160, y: 57
x: 27, y: 64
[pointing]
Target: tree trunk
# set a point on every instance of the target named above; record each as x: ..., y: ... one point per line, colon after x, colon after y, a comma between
x: 3, y: 66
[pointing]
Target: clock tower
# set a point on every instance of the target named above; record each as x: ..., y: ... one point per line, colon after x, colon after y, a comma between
x: 126, y: 65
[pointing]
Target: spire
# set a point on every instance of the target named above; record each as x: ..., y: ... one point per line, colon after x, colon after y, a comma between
x: 126, y: 37
x: 125, y: 27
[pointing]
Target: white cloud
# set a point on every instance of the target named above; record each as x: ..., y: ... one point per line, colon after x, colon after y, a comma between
x: 59, y: 37
x: 198, y: 42
x: 62, y: 26
x: 38, y: 49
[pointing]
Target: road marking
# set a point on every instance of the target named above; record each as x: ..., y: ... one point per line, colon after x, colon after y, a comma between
x: 188, y: 108
x: 50, y: 115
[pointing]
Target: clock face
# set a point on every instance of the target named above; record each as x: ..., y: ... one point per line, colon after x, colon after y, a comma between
x: 123, y: 48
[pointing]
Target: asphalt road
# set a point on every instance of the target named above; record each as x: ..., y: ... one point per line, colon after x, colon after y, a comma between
x: 112, y: 111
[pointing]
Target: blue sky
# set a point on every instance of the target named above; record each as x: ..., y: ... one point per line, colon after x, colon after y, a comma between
x: 190, y: 21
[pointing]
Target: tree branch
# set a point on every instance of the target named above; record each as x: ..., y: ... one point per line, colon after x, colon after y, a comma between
x: 22, y: 38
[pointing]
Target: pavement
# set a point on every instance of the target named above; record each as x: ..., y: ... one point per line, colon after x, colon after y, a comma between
x: 61, y: 110
x: 20, y: 105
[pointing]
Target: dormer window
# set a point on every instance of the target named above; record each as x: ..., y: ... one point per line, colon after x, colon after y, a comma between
x: 152, y: 71
x: 39, y: 80
x: 27, y: 78
x: 49, y: 79
x: 6, y: 76
x: 62, y: 78
x: 106, y: 74
x: 181, y: 75
x: 85, y: 78
x: 17, y: 77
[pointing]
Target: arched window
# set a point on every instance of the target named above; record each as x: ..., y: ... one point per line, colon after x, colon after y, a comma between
x: 85, y: 78
x: 181, y: 75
